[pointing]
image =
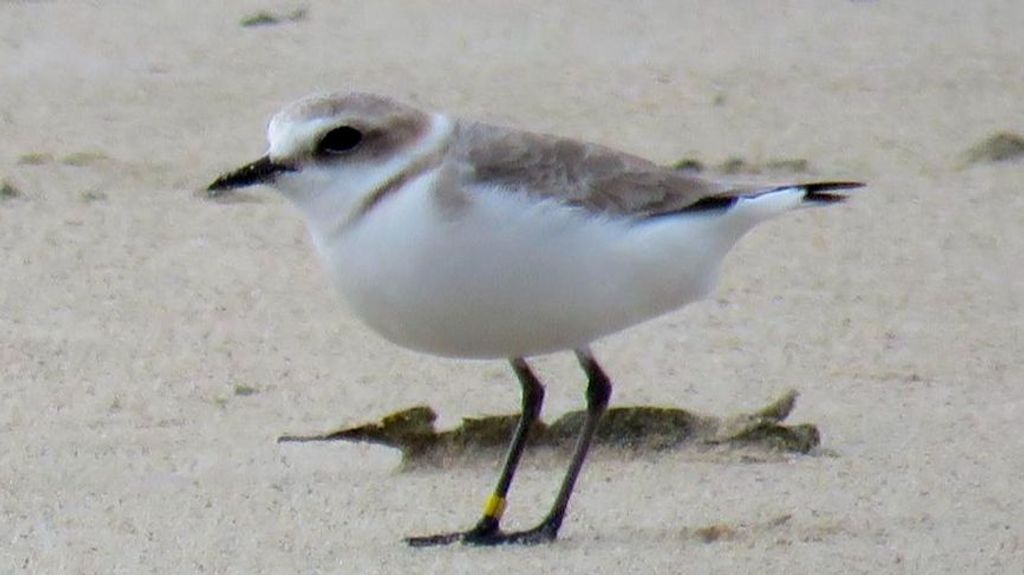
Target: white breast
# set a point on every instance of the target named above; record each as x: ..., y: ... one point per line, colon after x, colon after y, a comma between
x: 509, y: 277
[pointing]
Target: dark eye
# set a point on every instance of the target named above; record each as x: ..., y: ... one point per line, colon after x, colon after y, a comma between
x: 339, y: 141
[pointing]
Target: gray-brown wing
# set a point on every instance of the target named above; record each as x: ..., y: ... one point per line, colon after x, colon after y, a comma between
x: 589, y: 176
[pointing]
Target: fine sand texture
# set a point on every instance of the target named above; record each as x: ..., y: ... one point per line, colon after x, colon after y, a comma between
x: 154, y: 344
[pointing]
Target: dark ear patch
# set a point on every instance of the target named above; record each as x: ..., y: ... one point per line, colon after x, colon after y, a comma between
x: 340, y: 140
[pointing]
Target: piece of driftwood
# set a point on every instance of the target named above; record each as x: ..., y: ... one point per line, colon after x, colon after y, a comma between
x: 631, y: 428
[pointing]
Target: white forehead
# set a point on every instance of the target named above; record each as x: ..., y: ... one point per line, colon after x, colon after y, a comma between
x: 292, y: 129
x: 289, y: 137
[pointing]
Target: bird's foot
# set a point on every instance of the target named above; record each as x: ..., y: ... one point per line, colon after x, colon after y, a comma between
x: 489, y: 535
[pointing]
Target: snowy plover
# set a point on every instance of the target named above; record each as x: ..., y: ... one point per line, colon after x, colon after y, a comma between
x: 462, y: 239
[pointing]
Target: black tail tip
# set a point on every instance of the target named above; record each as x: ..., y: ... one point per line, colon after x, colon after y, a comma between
x: 822, y: 192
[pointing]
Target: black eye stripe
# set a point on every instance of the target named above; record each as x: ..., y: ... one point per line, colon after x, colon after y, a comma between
x: 339, y: 140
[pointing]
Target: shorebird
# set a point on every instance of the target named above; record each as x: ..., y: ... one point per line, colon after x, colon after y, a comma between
x: 463, y: 239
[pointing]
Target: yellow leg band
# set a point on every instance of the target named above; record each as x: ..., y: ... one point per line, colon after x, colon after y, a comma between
x: 495, y: 506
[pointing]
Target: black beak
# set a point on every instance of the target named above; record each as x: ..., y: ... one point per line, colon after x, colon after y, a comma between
x: 262, y: 171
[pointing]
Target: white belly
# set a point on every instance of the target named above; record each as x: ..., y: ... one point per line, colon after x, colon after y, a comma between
x: 508, y: 277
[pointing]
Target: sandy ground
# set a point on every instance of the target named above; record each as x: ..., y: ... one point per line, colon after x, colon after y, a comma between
x: 136, y: 318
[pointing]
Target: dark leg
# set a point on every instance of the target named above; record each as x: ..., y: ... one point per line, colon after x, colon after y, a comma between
x: 486, y: 530
x: 599, y: 391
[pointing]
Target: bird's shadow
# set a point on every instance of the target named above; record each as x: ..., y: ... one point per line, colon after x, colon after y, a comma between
x: 639, y: 429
